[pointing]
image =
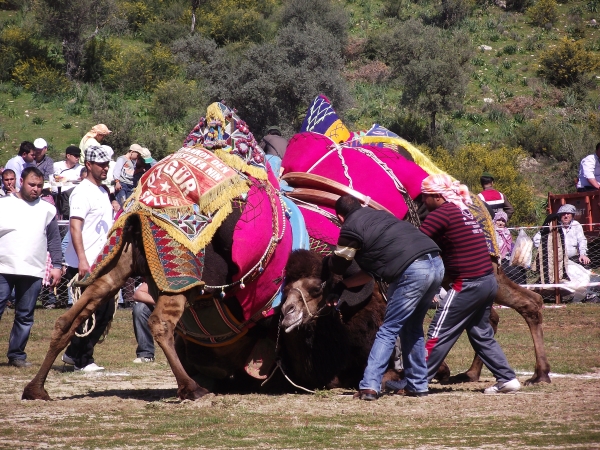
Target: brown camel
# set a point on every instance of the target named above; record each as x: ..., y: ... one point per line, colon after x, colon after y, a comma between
x: 163, y: 320
x: 323, y: 346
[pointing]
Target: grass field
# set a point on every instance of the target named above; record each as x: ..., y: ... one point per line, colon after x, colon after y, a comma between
x: 135, y: 407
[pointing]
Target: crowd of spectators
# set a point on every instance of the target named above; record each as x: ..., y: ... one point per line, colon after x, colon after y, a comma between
x: 37, y: 193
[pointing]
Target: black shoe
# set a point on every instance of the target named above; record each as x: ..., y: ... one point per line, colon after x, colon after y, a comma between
x: 20, y: 363
x: 366, y: 394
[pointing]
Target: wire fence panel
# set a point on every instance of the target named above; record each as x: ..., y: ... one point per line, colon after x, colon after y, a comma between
x: 556, y: 265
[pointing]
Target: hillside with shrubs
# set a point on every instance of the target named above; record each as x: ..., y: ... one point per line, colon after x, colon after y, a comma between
x: 505, y: 86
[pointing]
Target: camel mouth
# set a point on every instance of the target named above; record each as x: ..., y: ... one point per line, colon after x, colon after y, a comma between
x: 295, y: 324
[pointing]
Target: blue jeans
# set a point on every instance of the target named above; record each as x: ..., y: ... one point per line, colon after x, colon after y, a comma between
x: 124, y: 193
x: 409, y: 298
x: 27, y: 289
x: 141, y: 313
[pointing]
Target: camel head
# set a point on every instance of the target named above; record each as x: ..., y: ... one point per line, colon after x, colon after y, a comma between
x: 304, y: 289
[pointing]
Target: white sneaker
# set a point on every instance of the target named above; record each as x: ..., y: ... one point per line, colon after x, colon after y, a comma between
x: 93, y: 367
x: 143, y: 359
x: 507, y: 387
x: 67, y: 360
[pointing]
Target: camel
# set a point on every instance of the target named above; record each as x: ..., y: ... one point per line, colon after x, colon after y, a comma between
x: 325, y: 346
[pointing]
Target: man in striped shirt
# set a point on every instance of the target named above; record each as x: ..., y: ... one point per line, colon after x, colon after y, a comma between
x: 473, y: 285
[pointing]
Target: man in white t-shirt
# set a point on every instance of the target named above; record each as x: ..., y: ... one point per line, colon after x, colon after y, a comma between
x: 589, y: 172
x: 28, y: 231
x: 91, y: 219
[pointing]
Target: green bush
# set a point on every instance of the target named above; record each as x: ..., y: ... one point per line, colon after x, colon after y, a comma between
x: 163, y: 32
x: 17, y: 44
x: 467, y: 163
x: 35, y: 76
x: 137, y: 69
x: 543, y: 12
x: 567, y: 63
x: 96, y: 52
x: 172, y: 100
x: 137, y: 14
x: 453, y: 12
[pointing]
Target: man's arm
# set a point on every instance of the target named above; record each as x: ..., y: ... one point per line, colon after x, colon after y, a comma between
x: 54, y: 248
x: 76, y: 227
x: 142, y: 295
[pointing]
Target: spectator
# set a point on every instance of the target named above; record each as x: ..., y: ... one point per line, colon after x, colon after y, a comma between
x: 8, y: 182
x: 124, y: 171
x: 91, y: 218
x: 496, y: 200
x: 28, y: 230
x: 575, y: 240
x: 473, y: 284
x: 43, y: 161
x: 515, y: 273
x: 273, y: 143
x: 142, y: 165
x: 24, y: 159
x: 142, y: 309
x: 93, y: 138
x: 589, y: 172
x: 68, y: 170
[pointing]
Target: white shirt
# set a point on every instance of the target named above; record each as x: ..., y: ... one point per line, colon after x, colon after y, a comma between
x: 17, y: 164
x: 70, y: 174
x: 575, y: 240
x: 588, y: 168
x: 23, y: 243
x: 90, y: 203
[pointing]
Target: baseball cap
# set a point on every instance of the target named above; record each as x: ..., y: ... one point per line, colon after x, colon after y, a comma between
x: 73, y: 150
x: 145, y: 154
x: 97, y: 154
x: 136, y: 148
x: 40, y: 143
x: 109, y: 151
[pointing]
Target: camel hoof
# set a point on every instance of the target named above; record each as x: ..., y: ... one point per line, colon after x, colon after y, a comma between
x: 464, y: 377
x: 192, y: 394
x: 34, y: 393
x: 545, y: 378
x: 443, y: 373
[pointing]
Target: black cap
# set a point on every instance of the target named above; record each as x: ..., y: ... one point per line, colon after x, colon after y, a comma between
x: 73, y: 150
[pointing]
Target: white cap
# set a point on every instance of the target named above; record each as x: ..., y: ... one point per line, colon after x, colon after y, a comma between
x: 40, y: 143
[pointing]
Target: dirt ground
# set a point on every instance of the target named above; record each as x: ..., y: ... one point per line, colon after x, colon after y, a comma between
x: 134, y: 399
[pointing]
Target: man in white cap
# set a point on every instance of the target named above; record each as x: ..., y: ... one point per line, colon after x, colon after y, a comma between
x: 91, y: 219
x: 575, y: 240
x: 43, y: 161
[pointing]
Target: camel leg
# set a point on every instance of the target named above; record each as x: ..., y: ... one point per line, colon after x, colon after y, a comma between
x: 529, y: 305
x: 100, y: 291
x: 162, y: 322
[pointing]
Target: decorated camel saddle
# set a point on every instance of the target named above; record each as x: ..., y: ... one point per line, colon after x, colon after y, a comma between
x: 183, y: 200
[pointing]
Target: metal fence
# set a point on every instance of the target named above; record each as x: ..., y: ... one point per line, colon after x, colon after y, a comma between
x: 553, y: 267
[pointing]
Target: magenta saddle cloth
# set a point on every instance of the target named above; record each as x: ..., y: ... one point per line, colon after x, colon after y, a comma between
x: 374, y: 171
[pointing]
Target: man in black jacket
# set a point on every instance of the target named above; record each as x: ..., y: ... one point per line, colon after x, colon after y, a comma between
x: 397, y: 253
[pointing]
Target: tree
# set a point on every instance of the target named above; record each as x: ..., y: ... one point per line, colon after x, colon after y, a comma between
x: 270, y: 83
x: 431, y: 64
x: 73, y: 23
